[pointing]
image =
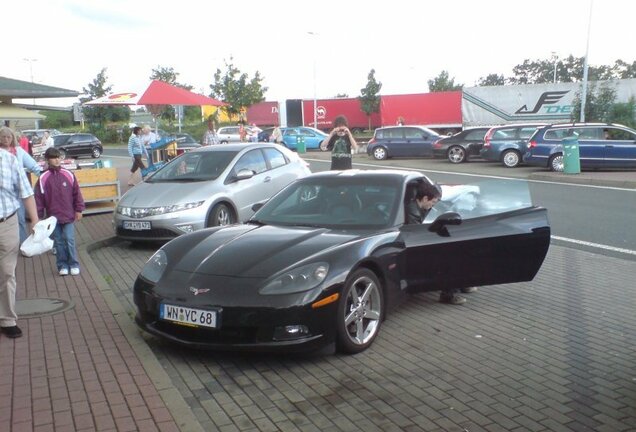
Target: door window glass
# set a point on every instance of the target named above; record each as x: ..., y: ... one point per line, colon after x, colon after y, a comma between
x: 252, y: 160
x: 412, y: 133
x: 275, y: 157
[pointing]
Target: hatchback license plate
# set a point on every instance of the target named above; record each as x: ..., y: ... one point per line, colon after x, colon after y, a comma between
x: 136, y: 226
x: 188, y: 316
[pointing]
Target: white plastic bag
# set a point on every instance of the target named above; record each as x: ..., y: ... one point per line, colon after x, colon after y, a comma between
x: 40, y: 241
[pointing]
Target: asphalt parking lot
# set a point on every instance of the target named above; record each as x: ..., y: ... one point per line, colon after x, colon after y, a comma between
x: 554, y: 354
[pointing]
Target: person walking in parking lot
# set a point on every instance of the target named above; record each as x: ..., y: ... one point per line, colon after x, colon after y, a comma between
x: 136, y: 150
x: 14, y: 186
x: 418, y: 203
x: 210, y: 137
x: 341, y: 142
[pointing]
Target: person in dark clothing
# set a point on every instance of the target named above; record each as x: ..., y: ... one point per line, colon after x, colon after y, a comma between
x: 418, y: 204
x: 340, y: 141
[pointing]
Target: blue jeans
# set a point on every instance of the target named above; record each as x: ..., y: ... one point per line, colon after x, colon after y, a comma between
x: 22, y: 222
x: 65, y: 252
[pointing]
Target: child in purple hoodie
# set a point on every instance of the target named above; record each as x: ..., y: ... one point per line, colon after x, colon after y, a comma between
x: 58, y: 194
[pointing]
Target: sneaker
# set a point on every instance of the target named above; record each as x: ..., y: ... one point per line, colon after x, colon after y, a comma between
x: 469, y: 290
x: 12, y: 332
x: 63, y: 272
x: 74, y: 271
x: 453, y: 299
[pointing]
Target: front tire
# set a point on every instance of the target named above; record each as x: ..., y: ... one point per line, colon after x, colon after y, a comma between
x: 96, y: 152
x: 511, y: 158
x: 456, y: 154
x: 556, y: 162
x: 380, y: 153
x: 220, y: 215
x: 360, y: 312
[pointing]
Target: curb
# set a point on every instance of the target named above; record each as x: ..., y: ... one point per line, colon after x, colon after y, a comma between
x: 585, y: 180
x: 174, y: 401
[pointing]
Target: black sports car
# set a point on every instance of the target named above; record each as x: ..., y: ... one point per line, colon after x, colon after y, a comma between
x: 328, y: 256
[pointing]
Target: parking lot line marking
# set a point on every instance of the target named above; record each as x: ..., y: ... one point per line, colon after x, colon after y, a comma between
x: 595, y: 245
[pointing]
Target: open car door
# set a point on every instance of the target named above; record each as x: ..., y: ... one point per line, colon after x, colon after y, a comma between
x: 493, y: 236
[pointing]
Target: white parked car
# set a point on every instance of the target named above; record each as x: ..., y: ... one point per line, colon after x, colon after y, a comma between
x: 206, y: 187
x: 230, y: 134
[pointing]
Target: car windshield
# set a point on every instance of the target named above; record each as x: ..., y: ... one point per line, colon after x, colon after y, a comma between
x: 194, y: 166
x: 352, y: 203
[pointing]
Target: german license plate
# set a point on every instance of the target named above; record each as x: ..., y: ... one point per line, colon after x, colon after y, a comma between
x: 136, y: 225
x: 188, y: 316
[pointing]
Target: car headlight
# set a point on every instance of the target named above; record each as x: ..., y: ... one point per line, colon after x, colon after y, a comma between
x: 155, y: 266
x: 137, y: 212
x: 299, y: 279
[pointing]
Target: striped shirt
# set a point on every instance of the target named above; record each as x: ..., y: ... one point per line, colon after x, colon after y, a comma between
x: 14, y: 184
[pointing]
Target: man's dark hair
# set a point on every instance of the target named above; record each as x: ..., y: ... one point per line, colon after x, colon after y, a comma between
x: 340, y: 121
x: 427, y: 190
x: 51, y: 153
x: 136, y: 130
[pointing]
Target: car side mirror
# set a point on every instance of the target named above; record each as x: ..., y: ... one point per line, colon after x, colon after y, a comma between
x: 439, y: 225
x: 256, y: 207
x: 243, y: 174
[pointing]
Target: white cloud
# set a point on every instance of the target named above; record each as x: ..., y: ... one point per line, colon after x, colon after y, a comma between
x: 406, y: 42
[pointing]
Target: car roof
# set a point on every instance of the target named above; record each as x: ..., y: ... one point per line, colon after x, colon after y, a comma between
x: 583, y: 124
x: 236, y: 147
x: 358, y: 173
x: 514, y: 125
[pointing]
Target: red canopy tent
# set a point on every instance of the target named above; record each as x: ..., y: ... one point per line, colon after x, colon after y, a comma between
x: 157, y: 93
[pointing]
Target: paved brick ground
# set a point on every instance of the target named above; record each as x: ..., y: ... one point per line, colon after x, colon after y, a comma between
x: 555, y: 354
x: 74, y: 371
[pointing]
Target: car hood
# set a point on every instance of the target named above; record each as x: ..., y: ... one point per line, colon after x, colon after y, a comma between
x: 161, y: 194
x: 253, y: 251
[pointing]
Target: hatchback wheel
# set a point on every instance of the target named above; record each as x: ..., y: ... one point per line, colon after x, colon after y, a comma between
x: 556, y: 162
x: 456, y: 154
x: 379, y: 153
x: 221, y: 215
x: 360, y: 312
x: 96, y: 152
x: 510, y: 158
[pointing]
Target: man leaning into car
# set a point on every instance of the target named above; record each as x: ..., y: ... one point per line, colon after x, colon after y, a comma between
x: 418, y: 203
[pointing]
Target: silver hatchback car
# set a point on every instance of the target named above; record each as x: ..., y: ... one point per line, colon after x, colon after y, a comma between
x: 206, y: 187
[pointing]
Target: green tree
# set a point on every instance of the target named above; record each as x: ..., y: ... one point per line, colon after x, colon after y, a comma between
x: 492, y: 80
x: 237, y: 89
x: 369, y: 96
x: 442, y: 82
x: 624, y: 113
x: 599, y: 103
x: 97, y: 116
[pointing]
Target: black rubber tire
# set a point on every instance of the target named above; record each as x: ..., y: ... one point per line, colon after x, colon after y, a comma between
x: 221, y: 215
x: 358, y: 322
x: 96, y: 152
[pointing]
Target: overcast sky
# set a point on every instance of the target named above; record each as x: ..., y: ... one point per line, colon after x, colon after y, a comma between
x: 406, y: 42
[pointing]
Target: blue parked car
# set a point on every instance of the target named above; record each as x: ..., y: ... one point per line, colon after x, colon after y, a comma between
x: 601, y: 145
x: 507, y: 144
x: 312, y: 137
x: 402, y: 141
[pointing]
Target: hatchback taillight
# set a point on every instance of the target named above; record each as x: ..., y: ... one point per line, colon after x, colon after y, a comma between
x: 488, y: 137
x: 371, y: 141
x: 436, y: 144
x: 532, y: 144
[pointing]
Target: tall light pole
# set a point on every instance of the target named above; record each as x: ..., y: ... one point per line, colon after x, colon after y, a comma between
x: 585, y: 66
x: 555, y: 57
x: 315, y: 98
x: 31, y: 60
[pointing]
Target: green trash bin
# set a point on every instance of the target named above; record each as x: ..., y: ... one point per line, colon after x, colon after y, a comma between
x: 300, y: 144
x: 571, y: 160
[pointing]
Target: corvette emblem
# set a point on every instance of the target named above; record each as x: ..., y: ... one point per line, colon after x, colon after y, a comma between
x: 197, y: 291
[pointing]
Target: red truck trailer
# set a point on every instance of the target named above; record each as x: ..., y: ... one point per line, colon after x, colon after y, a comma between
x: 328, y: 109
x: 263, y: 114
x: 438, y: 110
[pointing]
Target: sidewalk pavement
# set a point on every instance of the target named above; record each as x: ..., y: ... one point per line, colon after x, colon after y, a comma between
x: 88, y: 368
x: 84, y: 367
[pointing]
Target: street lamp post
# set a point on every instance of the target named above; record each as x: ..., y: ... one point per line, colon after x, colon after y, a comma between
x: 585, y: 67
x: 555, y: 58
x: 315, y: 98
x: 31, y: 60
